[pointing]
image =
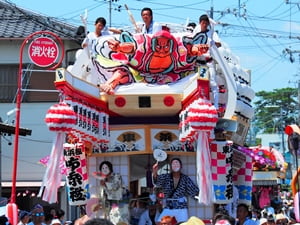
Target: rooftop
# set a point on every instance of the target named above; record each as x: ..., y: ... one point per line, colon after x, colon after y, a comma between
x: 16, y: 23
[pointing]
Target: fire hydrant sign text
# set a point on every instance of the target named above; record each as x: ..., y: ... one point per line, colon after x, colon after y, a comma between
x: 43, y: 51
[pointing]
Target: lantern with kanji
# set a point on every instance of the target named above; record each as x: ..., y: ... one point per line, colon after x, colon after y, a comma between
x: 60, y: 118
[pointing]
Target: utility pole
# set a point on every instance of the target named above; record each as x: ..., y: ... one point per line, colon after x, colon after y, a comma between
x: 282, y: 130
x: 299, y: 100
x: 109, y: 8
x: 292, y: 60
x: 0, y: 164
x: 211, y: 14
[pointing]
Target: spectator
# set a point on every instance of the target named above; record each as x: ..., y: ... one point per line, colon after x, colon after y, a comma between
x: 168, y: 220
x: 23, y: 217
x: 151, y: 215
x: 270, y: 220
x: 223, y: 219
x: 193, y: 221
x: 138, y: 207
x: 37, y: 215
x: 243, y: 217
x: 56, y: 222
x: 48, y: 218
x: 263, y: 221
x: 4, y: 220
x: 60, y: 214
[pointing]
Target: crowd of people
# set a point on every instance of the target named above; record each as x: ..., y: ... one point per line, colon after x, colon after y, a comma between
x: 38, y: 216
x: 170, y: 208
x: 150, y: 215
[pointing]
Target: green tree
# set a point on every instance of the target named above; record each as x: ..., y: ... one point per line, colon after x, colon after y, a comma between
x: 275, y: 109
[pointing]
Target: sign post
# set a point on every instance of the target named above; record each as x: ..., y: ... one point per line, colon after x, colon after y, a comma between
x: 44, y: 52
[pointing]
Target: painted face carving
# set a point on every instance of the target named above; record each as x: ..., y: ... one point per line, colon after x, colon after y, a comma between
x: 162, y: 47
x: 105, y: 169
x: 175, y: 165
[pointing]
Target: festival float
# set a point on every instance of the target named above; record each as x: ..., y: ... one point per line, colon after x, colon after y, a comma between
x: 269, y: 170
x: 163, y: 102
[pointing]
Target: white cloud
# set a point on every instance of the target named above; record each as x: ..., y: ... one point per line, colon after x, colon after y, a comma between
x: 294, y: 27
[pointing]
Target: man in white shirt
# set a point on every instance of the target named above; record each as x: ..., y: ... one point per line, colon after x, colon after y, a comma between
x: 206, y: 35
x: 149, y: 26
x: 91, y: 39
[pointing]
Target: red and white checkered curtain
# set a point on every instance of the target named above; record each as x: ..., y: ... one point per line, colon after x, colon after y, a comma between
x: 222, y: 172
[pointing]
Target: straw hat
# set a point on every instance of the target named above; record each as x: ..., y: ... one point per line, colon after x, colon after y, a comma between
x: 55, y: 221
x: 263, y: 221
x: 280, y: 216
x: 193, y: 221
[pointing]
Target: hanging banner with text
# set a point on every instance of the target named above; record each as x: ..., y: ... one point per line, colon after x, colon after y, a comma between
x: 77, y: 177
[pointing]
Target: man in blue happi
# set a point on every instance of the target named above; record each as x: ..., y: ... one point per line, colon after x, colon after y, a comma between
x: 176, y: 187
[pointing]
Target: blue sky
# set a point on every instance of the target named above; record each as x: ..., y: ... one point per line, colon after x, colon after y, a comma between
x: 258, y: 32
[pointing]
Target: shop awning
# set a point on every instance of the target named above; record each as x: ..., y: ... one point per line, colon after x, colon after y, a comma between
x: 6, y: 184
x: 265, y: 182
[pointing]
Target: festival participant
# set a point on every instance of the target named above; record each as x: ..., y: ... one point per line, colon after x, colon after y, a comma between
x: 111, y: 193
x: 243, y: 215
x: 92, y: 37
x: 176, y: 187
x: 37, y: 215
x: 204, y: 26
x: 149, y: 26
x: 206, y: 35
x: 190, y: 27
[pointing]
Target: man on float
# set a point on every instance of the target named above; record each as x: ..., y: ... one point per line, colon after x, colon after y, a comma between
x: 176, y: 187
x: 205, y: 30
x: 149, y: 26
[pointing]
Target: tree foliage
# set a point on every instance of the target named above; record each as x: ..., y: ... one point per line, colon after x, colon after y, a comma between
x: 276, y: 109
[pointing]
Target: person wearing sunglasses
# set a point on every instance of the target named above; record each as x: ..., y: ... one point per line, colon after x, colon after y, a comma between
x: 37, y: 215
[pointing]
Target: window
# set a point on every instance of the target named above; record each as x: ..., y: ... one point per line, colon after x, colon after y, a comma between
x: 36, y: 81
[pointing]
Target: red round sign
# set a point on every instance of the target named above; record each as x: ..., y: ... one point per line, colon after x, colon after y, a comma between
x: 43, y: 51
